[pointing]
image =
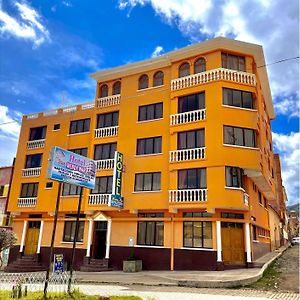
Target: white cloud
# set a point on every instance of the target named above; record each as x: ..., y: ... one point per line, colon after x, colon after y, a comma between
x: 27, y: 25
x: 288, y: 106
x: 289, y: 148
x: 67, y: 3
x: 157, y: 51
x: 273, y: 24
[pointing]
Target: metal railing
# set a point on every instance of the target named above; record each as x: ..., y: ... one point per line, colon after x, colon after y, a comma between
x: 36, y: 144
x: 106, y: 131
x: 27, y: 202
x: 30, y: 172
x: 188, y: 195
x: 98, y: 199
x: 109, y: 101
x: 187, y: 117
x: 187, y: 154
x: 105, y: 164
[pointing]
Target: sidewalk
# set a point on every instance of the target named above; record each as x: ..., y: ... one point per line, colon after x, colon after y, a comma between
x: 200, y: 279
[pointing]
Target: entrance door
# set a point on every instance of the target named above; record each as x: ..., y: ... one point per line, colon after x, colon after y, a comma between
x: 32, y: 237
x: 233, y: 251
x: 99, y: 243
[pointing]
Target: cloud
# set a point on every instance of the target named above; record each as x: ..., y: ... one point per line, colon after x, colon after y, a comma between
x: 27, y: 24
x: 289, y: 148
x: 273, y: 24
x: 157, y: 51
x: 288, y: 106
x: 67, y: 3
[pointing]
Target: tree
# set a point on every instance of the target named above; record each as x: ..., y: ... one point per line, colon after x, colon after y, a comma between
x: 7, y: 240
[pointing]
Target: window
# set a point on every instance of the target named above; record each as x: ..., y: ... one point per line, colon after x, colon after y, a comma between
x: 150, y: 233
x: 259, y: 197
x: 38, y: 133
x: 237, y: 98
x: 143, y: 82
x: 147, y: 182
x: 80, y: 126
x: 116, y: 88
x: 80, y: 151
x: 234, y: 177
x: 56, y: 126
x: 150, y: 112
x: 197, y: 215
x: 158, y: 78
x: 29, y: 190
x: 192, y: 179
x: 148, y: 146
x: 69, y: 231
x: 239, y: 136
x: 49, y: 185
x: 191, y: 102
x: 71, y: 190
x: 151, y: 215
x: 33, y: 161
x: 197, y: 234
x: 103, y: 185
x: 104, y: 90
x: 199, y: 65
x: 191, y: 139
x: 265, y: 202
x: 233, y: 62
x: 228, y: 215
x: 1, y: 190
x: 105, y: 151
x: 184, y: 70
x: 254, y: 232
x: 108, y: 120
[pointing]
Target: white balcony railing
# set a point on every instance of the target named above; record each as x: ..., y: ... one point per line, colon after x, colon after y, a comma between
x: 109, y: 101
x: 182, y: 196
x: 246, y: 199
x: 106, y: 131
x: 27, y: 202
x: 99, y: 199
x: 188, y: 117
x: 187, y: 154
x: 105, y: 164
x: 30, y: 172
x: 36, y: 144
x: 213, y: 75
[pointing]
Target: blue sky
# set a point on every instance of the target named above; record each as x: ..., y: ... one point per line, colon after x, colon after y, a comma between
x: 49, y: 48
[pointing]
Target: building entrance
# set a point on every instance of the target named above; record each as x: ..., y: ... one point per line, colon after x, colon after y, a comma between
x: 99, y: 240
x: 32, y: 237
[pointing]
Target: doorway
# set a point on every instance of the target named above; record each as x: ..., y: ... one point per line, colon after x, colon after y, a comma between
x: 233, y: 251
x: 99, y: 240
x: 32, y: 237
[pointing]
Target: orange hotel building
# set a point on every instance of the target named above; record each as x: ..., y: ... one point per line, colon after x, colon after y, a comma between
x: 194, y: 128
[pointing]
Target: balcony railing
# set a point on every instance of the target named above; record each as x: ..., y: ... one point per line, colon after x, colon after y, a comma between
x: 189, y: 195
x: 30, y: 172
x: 213, y: 75
x: 36, y: 144
x: 99, y: 199
x: 188, y: 117
x: 109, y: 101
x: 246, y: 199
x: 106, y: 131
x: 187, y: 154
x: 27, y: 202
x: 105, y: 164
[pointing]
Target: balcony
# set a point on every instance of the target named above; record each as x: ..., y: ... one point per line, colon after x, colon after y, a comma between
x: 188, y: 117
x: 186, y: 196
x: 187, y: 154
x: 98, y: 199
x: 108, y: 101
x: 36, y: 144
x: 106, y: 131
x: 31, y: 172
x: 27, y: 202
x: 105, y: 164
x: 213, y: 75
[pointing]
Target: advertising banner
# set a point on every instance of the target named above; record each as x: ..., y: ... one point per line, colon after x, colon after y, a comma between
x: 72, y: 168
x: 116, y: 199
x: 58, y: 266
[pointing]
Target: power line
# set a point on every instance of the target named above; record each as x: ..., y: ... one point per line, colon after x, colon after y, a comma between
x: 8, y: 122
x: 279, y: 61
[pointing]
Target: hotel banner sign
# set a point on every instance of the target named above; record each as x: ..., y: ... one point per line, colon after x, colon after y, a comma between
x: 116, y: 200
x: 72, y: 168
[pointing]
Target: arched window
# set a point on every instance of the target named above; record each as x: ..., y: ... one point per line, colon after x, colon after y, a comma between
x: 158, y: 78
x: 184, y: 70
x: 117, y: 88
x: 143, y: 82
x: 199, y: 65
x: 103, y: 90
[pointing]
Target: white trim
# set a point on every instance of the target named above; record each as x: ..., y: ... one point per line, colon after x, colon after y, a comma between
x: 152, y: 120
x: 248, y: 242
x: 89, y: 241
x: 23, y: 235
x: 38, y: 250
x: 244, y: 147
x: 69, y: 196
x: 78, y: 133
x: 219, y: 241
x: 235, y: 188
x: 247, y: 109
x: 151, y: 154
x: 77, y: 243
x: 56, y: 129
x: 197, y: 249
x: 108, y: 234
x: 146, y: 246
x: 139, y: 192
x: 150, y: 88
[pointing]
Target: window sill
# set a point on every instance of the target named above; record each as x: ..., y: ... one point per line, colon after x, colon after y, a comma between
x: 77, y: 243
x: 78, y: 133
x: 139, y: 192
x: 69, y: 196
x: 144, y: 155
x: 147, y: 121
x: 150, y: 88
x: 55, y: 129
x: 237, y: 146
x: 241, y: 108
x: 197, y: 249
x: 146, y: 246
x: 235, y: 188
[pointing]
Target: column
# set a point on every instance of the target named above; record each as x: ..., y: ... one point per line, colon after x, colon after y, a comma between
x: 40, y: 238
x: 108, y: 238
x: 248, y: 242
x: 90, y: 233
x: 219, y: 242
x: 23, y: 236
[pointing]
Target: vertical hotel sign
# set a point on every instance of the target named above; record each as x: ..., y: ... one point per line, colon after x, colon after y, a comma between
x: 116, y: 199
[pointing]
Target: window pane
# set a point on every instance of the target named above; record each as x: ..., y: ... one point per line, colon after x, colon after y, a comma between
x: 138, y: 182
x: 235, y: 177
x: 30, y: 189
x: 73, y: 127
x: 188, y: 234
x: 249, y: 138
x: 159, y: 234
x: 157, y: 145
x: 156, y: 181
x: 238, y: 136
x: 150, y: 234
x: 109, y: 185
x: 242, y: 64
x: 158, y: 78
x: 236, y: 98
x: 140, y: 147
x: 192, y: 179
x: 228, y: 135
x: 143, y: 82
x: 202, y: 178
x: 35, y: 189
x: 142, y: 113
x: 207, y: 234
x: 117, y: 88
x: 247, y: 100
x: 80, y: 232
x: 200, y: 138
x: 105, y: 151
x: 141, y: 233
x: 191, y: 139
x: 115, y: 119
x: 86, y: 125
x: 184, y: 70
x: 197, y: 234
x: 103, y: 185
x: 201, y: 101
x: 228, y: 176
x: 199, y: 65
x: 182, y: 140
x: 227, y: 96
x: 158, y: 110
x: 113, y: 149
x: 100, y: 123
x: 108, y: 120
x: 150, y: 112
x: 104, y: 91
x: 182, y: 179
x: 24, y: 190
x: 149, y: 146
x: 147, y: 182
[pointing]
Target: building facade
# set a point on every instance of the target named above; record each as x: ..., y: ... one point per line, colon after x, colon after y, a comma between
x: 5, y: 180
x: 194, y: 128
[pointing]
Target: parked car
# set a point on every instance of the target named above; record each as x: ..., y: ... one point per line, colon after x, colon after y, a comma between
x: 296, y: 240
